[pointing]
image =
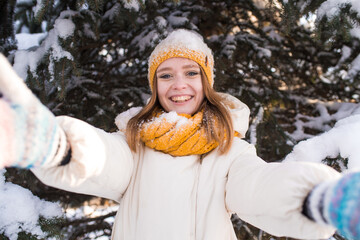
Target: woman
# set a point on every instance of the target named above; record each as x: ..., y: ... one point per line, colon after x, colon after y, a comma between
x: 178, y: 166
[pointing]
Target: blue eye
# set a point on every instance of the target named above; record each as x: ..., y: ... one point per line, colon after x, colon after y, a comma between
x: 165, y: 76
x: 192, y: 73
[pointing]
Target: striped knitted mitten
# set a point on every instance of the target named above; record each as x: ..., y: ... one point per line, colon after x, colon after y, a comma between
x: 337, y: 203
x: 29, y: 133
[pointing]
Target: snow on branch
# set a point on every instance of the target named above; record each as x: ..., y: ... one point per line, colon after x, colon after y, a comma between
x: 29, y: 59
x: 132, y: 4
x: 21, y: 210
x: 330, y: 8
x: 341, y: 140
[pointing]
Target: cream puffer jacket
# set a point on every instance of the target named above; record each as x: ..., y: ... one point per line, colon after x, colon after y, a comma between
x: 183, y: 198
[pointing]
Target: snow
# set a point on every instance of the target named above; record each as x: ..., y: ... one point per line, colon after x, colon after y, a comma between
x: 173, y: 117
x: 355, y: 32
x: 354, y: 67
x: 345, y: 53
x: 229, y: 46
x: 132, y: 4
x: 273, y: 34
x: 23, y: 1
x: 261, y: 4
x: 161, y: 22
x: 21, y: 210
x: 38, y: 7
x: 26, y: 40
x: 340, y: 140
x: 263, y: 52
x: 88, y: 32
x: 256, y: 121
x: 92, y: 210
x: 145, y: 39
x: 29, y: 59
x: 331, y: 7
x: 111, y: 13
x: 177, y: 21
x: 64, y: 28
x: 170, y: 117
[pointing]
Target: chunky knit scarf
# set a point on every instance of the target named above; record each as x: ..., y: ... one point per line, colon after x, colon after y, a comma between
x: 177, y: 134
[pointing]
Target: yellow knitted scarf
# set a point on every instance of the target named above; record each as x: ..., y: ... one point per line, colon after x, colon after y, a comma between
x: 177, y: 134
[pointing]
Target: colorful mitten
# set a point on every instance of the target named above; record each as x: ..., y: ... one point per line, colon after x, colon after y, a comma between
x: 337, y: 203
x: 29, y: 133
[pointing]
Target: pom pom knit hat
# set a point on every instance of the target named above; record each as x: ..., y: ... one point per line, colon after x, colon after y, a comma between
x: 186, y: 44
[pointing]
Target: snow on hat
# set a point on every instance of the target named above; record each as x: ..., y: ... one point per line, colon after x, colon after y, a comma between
x: 186, y: 44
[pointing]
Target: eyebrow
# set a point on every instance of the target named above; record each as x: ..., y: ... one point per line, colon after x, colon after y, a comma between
x: 163, y: 69
x: 184, y: 67
x: 191, y: 66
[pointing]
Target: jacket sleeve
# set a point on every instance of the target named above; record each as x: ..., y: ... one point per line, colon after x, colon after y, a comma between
x: 270, y: 196
x: 101, y: 163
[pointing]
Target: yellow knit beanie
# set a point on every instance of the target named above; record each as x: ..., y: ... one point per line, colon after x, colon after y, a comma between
x: 186, y: 44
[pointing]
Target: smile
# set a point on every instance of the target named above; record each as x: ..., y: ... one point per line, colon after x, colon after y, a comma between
x: 180, y: 99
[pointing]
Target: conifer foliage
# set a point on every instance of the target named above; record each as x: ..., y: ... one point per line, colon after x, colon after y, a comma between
x: 90, y: 61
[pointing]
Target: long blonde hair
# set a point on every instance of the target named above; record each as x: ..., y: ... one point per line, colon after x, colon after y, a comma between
x: 214, y: 107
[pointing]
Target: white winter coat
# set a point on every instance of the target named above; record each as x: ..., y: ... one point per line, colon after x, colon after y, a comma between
x: 181, y: 198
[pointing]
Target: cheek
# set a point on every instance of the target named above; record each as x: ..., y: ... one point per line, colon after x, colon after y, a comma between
x: 201, y: 98
x: 161, y: 91
x: 199, y: 89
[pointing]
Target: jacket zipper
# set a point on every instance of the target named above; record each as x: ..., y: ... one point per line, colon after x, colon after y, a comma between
x: 196, y: 194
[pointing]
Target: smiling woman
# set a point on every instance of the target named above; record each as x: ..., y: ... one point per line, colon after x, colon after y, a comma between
x: 179, y: 85
x: 181, y: 78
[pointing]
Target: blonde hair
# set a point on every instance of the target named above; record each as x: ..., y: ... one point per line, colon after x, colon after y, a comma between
x: 214, y: 107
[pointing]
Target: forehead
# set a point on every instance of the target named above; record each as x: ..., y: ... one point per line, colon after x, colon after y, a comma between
x: 177, y: 62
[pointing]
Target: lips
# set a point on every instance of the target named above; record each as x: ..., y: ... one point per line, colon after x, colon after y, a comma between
x: 180, y: 99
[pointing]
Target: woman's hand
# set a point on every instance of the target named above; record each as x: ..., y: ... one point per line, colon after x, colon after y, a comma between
x: 338, y: 203
x: 29, y: 133
x: 342, y: 205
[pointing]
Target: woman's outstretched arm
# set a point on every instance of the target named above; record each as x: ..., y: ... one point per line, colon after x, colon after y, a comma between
x: 29, y: 133
x: 270, y: 196
x: 100, y: 164
x: 62, y: 152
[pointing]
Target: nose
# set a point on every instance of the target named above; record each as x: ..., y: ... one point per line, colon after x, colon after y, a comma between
x: 179, y: 82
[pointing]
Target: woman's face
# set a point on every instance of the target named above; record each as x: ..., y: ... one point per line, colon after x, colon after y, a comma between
x: 179, y: 85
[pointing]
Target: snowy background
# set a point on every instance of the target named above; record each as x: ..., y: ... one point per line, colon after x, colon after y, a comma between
x: 20, y: 210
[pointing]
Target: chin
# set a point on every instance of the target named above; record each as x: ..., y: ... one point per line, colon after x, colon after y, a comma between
x: 186, y: 112
x: 182, y: 109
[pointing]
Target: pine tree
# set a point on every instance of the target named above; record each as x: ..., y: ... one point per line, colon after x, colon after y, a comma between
x: 92, y: 64
x: 7, y: 37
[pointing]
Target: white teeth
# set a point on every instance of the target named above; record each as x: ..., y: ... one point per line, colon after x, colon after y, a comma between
x: 180, y: 98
